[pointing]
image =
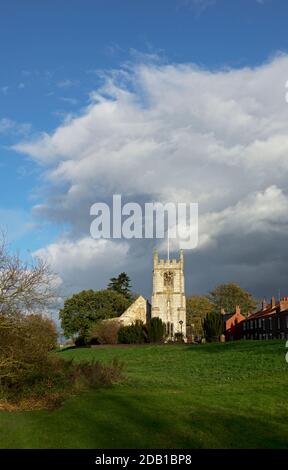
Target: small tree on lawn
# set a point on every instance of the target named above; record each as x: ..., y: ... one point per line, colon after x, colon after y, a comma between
x: 213, y: 326
x: 156, y: 330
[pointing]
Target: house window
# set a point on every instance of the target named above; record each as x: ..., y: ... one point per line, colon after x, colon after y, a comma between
x: 270, y: 323
x: 259, y: 323
x: 244, y: 325
x: 278, y: 323
x: 263, y: 324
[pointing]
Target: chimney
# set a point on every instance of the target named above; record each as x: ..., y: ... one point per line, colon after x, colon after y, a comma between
x: 273, y: 302
x: 238, y: 310
x: 264, y: 304
x: 283, y: 304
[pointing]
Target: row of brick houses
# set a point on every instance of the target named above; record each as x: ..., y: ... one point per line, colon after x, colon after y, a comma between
x: 271, y: 322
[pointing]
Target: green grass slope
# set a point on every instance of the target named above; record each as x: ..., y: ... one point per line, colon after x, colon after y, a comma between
x: 230, y: 395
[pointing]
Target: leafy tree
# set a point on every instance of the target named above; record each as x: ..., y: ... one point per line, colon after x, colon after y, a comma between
x: 227, y: 296
x: 197, y: 307
x: 213, y: 326
x: 82, y: 310
x: 121, y: 284
x: 156, y: 330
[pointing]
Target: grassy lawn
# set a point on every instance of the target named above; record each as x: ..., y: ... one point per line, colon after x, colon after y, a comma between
x: 205, y: 396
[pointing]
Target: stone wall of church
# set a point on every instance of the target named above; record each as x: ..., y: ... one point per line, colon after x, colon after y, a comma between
x: 139, y: 310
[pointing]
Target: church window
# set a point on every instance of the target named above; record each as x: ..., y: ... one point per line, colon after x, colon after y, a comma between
x: 168, y: 328
x: 168, y: 279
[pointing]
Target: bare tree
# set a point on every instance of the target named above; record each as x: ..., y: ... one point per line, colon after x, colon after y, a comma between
x: 24, y: 287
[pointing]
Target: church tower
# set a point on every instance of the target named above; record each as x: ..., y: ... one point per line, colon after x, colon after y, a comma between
x: 168, y: 298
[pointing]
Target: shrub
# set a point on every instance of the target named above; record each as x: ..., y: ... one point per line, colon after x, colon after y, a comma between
x: 25, y: 342
x: 81, y: 341
x: 138, y: 332
x: 213, y: 326
x: 133, y: 334
x: 105, y: 332
x: 38, y: 336
x: 178, y: 337
x: 96, y: 374
x: 31, y: 377
x: 48, y: 386
x: 156, y: 329
x: 24, y: 345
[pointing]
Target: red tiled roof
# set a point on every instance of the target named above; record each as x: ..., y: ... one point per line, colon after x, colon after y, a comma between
x: 262, y: 313
x: 269, y: 310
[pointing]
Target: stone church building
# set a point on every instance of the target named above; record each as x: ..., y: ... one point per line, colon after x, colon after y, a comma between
x: 168, y: 298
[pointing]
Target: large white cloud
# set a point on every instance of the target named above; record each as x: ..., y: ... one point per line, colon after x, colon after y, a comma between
x: 84, y: 263
x: 181, y: 133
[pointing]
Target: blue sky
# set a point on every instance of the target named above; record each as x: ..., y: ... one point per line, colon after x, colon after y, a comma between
x: 55, y: 54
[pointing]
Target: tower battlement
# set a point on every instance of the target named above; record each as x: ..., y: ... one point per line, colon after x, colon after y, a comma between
x: 165, y: 263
